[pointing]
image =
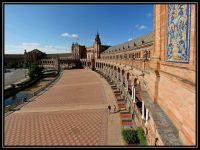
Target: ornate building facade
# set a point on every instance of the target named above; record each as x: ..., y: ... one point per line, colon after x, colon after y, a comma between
x: 34, y: 56
x: 156, y: 75
x: 94, y: 51
x: 78, y: 51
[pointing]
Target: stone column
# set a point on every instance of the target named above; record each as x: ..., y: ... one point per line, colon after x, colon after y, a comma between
x: 121, y: 78
x: 133, y: 93
x: 117, y: 75
x: 142, y: 109
x: 147, y: 113
x: 127, y: 85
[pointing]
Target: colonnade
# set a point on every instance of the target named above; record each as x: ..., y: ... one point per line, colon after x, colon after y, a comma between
x: 126, y: 82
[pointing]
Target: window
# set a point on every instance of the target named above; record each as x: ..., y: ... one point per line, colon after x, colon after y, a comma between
x: 125, y: 56
x: 142, y: 41
x: 133, y: 55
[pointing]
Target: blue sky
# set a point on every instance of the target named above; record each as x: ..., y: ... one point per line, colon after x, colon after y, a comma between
x: 53, y: 28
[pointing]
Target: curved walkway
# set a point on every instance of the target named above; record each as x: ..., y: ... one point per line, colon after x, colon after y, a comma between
x: 72, y: 113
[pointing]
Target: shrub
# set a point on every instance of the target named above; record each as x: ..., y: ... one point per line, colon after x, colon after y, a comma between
x: 130, y: 136
x: 35, y: 71
x: 141, y: 136
x: 13, y: 86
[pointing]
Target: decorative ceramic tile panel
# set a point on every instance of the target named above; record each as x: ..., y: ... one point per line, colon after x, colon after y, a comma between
x: 178, y: 33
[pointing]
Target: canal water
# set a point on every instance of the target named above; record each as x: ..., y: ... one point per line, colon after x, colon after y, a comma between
x: 18, y: 98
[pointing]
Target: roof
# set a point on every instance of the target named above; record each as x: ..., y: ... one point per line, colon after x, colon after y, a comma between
x: 7, y: 56
x: 148, y: 38
x: 35, y: 51
x: 59, y: 55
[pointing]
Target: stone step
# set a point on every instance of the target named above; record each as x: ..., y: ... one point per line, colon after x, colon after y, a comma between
x: 125, y: 112
x: 121, y: 106
x: 117, y: 92
x: 118, y: 96
x: 120, y: 99
x: 120, y: 103
x: 126, y: 115
x: 127, y: 123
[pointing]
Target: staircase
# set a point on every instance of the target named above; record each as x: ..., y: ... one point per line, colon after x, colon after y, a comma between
x: 125, y: 115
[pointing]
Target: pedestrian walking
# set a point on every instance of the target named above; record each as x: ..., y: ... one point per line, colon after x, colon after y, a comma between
x: 114, y: 108
x: 109, y: 108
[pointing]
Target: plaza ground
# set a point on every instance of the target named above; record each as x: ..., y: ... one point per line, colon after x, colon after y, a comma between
x: 72, y: 112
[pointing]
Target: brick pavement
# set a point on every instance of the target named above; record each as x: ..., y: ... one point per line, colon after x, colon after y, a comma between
x: 56, y: 128
x: 71, y: 113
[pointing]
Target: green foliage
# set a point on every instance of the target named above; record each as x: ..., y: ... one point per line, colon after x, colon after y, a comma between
x: 35, y: 71
x: 130, y: 136
x: 141, y: 136
x: 13, y: 86
x: 24, y: 65
x: 12, y: 65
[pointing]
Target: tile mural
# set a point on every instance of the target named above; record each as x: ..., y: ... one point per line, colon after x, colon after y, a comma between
x: 178, y: 29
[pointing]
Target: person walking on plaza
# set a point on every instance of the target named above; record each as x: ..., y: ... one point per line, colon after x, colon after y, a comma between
x: 114, y: 108
x: 109, y: 108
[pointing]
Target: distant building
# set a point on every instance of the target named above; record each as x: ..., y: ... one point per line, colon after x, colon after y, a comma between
x: 94, y: 51
x: 34, y: 56
x: 78, y: 51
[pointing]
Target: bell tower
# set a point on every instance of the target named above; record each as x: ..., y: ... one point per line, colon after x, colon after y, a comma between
x: 97, y: 46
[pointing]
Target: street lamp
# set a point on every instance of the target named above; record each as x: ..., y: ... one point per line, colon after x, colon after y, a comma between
x: 144, y: 60
x: 133, y: 58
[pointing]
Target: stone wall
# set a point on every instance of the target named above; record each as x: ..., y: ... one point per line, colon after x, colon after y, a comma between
x: 176, y: 92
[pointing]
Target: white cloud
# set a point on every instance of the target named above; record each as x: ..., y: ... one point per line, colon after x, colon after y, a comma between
x: 30, y: 44
x: 19, y: 49
x: 148, y: 14
x: 129, y: 39
x: 140, y: 27
x: 75, y: 36
x: 65, y: 34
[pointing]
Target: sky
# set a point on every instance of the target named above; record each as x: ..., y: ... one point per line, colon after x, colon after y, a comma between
x: 52, y: 28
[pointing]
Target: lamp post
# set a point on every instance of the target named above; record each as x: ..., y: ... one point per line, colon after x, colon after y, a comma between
x: 144, y: 60
x: 133, y: 58
x: 145, y: 57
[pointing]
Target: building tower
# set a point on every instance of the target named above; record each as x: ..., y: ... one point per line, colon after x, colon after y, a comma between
x: 97, y: 46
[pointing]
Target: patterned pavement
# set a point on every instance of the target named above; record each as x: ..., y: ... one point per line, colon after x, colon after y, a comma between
x: 56, y: 128
x: 48, y: 121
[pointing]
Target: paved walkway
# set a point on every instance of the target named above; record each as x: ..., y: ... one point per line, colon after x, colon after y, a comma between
x: 114, y: 122
x: 72, y: 112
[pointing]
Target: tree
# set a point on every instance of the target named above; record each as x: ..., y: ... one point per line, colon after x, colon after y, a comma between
x: 35, y: 71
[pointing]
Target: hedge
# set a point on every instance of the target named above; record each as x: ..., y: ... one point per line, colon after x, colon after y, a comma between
x: 130, y: 136
x: 141, y: 136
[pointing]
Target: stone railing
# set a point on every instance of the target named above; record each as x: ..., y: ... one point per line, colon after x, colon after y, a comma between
x: 168, y: 133
x: 138, y: 64
x: 29, y: 98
